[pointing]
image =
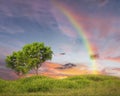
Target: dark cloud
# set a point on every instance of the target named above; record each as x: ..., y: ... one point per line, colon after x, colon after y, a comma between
x: 94, y: 56
x: 62, y: 53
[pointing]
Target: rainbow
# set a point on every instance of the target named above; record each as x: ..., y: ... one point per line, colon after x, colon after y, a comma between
x: 70, y: 16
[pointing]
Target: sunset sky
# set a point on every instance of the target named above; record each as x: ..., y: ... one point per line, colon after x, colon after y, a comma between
x: 27, y: 21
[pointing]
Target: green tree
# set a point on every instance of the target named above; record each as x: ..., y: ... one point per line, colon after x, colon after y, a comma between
x: 37, y: 53
x: 18, y: 62
x: 30, y: 57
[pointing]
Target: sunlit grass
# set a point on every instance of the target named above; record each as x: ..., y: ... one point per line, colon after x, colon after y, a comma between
x: 84, y: 85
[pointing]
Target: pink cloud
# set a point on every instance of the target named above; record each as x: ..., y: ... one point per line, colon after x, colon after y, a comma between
x: 102, y: 34
x: 117, y: 59
x: 99, y: 3
x: 111, y: 71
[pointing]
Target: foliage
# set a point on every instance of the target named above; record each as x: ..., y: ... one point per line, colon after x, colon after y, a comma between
x: 18, y: 62
x: 30, y: 57
x: 37, y: 54
x: 85, y: 85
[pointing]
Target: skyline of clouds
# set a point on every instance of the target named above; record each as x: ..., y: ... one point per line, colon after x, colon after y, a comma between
x: 26, y: 21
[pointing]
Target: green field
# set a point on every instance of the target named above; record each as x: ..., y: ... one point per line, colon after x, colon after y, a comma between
x: 85, y: 85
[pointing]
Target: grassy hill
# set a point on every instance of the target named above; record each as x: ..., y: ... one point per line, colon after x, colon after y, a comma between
x: 85, y: 85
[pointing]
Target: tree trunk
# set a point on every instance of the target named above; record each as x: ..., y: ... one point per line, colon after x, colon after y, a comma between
x: 36, y: 71
x: 19, y: 74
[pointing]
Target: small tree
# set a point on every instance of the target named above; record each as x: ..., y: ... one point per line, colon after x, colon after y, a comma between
x: 31, y: 57
x: 37, y: 53
x: 18, y: 62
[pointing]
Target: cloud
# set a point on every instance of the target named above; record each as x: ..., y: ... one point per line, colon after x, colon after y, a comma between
x: 8, y: 45
x: 102, y: 34
x: 20, y: 8
x: 99, y: 3
x: 66, y: 48
x: 22, y: 16
x: 53, y: 70
x: 117, y: 59
x: 11, y: 29
x: 5, y: 51
x: 63, y: 24
x: 7, y: 74
x: 6, y: 40
x: 111, y: 71
x: 68, y: 31
x: 94, y: 56
x: 102, y: 2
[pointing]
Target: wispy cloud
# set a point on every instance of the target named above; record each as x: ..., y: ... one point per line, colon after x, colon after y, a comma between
x: 111, y: 71
x: 117, y: 59
x: 8, y: 45
x: 11, y: 29
x: 68, y: 31
x: 63, y: 23
x: 15, y: 15
x: 102, y: 2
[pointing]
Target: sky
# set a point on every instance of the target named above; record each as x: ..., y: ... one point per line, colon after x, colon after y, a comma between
x: 27, y: 21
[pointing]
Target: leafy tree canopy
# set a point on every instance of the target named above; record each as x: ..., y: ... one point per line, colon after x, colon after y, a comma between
x: 30, y: 57
x: 37, y: 54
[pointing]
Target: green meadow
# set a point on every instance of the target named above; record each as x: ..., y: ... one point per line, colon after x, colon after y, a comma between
x: 84, y: 85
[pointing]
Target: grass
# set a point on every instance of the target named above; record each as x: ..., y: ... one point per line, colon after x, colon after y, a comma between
x: 84, y: 85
